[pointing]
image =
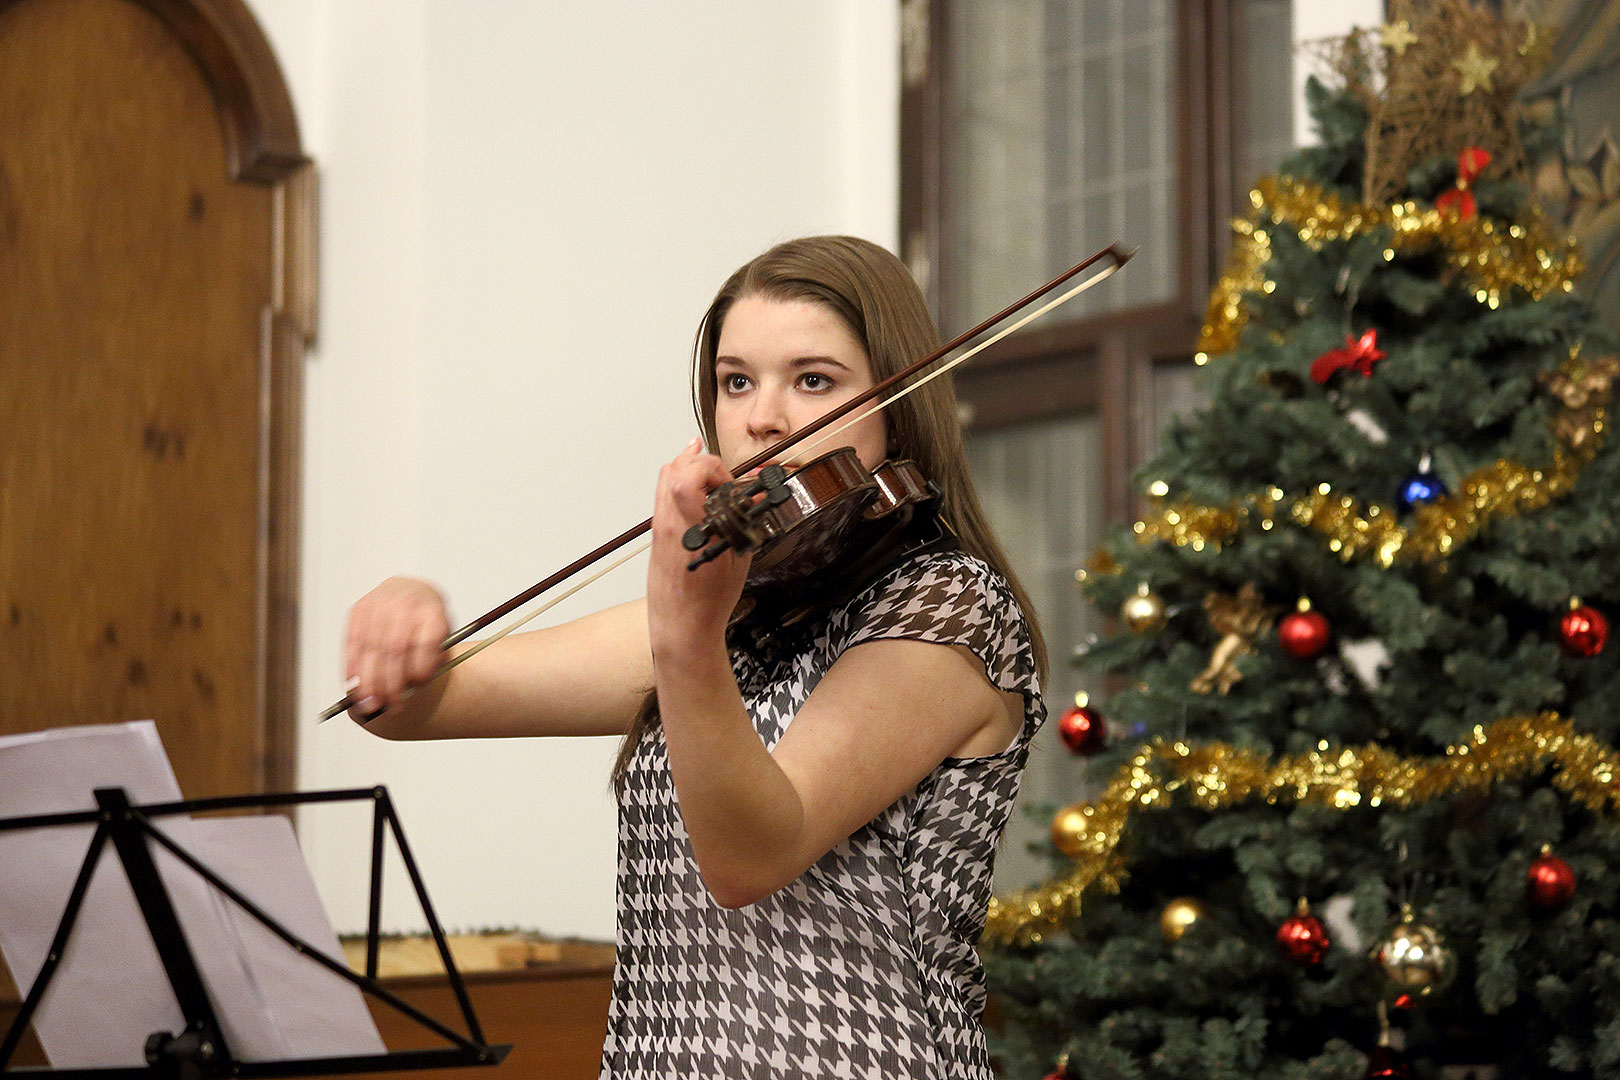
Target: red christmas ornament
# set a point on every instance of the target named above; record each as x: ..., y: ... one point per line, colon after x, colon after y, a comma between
x: 1583, y: 631
x: 1082, y: 728
x: 1302, y: 938
x: 1470, y: 163
x: 1383, y: 1063
x: 1303, y: 634
x: 1358, y: 353
x: 1549, y: 883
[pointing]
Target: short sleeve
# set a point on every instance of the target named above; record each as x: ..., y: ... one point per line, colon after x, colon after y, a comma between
x: 954, y: 599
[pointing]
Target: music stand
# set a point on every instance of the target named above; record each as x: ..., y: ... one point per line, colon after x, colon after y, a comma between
x: 200, y: 1051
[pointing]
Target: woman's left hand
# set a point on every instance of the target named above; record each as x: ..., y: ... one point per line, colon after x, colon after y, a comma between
x: 688, y: 607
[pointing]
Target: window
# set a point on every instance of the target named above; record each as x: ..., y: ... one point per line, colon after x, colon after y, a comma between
x: 1033, y: 133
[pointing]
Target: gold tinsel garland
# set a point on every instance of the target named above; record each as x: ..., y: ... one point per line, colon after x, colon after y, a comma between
x: 1490, y: 258
x: 1501, y: 490
x: 1219, y: 776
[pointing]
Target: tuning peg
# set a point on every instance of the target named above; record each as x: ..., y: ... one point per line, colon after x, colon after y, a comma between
x: 709, y: 554
x: 695, y: 537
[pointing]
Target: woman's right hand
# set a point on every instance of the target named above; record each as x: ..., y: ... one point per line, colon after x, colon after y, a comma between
x: 393, y: 643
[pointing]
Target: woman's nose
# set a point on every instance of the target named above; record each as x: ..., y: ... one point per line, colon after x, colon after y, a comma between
x: 768, y: 417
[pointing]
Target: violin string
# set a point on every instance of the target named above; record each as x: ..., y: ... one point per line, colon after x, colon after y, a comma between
x: 969, y: 354
x: 518, y: 624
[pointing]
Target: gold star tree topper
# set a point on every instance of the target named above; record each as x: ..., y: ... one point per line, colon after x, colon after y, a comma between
x: 1436, y: 76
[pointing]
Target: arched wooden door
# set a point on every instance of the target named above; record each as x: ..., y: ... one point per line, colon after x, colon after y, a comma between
x: 155, y: 302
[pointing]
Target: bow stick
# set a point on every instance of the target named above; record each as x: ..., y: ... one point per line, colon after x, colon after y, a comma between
x: 1118, y: 259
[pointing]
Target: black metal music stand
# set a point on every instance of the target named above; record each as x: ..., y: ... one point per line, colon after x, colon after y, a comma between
x: 200, y: 1052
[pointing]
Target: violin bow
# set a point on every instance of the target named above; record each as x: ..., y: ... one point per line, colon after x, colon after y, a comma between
x: 1116, y: 257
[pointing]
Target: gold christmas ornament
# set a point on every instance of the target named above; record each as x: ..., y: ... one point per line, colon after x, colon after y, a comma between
x: 1069, y: 827
x: 1412, y: 957
x: 1584, y: 390
x: 1238, y: 619
x: 1143, y: 611
x: 1474, y: 70
x: 1217, y: 776
x: 1102, y: 564
x: 1178, y: 917
x: 1396, y: 36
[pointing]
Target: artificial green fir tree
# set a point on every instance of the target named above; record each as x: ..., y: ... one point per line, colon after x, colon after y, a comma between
x: 1407, y: 430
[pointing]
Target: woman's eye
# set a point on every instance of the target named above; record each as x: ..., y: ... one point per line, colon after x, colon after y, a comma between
x: 815, y: 382
x: 734, y: 383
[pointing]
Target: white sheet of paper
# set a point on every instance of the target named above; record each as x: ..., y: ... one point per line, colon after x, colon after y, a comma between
x: 110, y: 958
x: 110, y: 991
x: 314, y: 1012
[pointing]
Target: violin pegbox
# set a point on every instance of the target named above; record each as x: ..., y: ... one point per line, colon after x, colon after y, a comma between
x: 734, y: 515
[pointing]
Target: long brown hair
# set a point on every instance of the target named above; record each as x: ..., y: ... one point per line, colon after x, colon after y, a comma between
x: 874, y: 294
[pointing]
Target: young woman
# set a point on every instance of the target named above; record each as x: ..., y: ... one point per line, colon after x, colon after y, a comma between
x: 808, y: 814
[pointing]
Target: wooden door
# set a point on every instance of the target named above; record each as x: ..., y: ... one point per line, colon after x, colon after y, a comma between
x: 154, y: 307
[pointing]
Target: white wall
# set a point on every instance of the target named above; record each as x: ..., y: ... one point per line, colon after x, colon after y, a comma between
x: 1313, y: 21
x: 525, y: 207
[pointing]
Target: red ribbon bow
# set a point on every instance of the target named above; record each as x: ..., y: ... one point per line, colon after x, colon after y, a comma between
x: 1358, y: 353
x: 1471, y: 161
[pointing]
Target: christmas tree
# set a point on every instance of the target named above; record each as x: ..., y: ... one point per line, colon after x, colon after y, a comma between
x: 1372, y: 828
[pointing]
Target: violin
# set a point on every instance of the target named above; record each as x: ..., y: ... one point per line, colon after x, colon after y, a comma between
x: 821, y: 507
x: 797, y: 525
x: 820, y: 533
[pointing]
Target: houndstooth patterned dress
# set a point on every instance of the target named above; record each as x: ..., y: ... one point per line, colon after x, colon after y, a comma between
x: 865, y: 966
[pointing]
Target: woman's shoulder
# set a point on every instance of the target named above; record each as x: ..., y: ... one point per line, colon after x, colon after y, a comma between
x: 948, y: 597
x: 940, y: 578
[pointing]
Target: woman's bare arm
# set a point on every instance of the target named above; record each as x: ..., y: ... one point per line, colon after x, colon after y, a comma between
x: 882, y: 718
x: 585, y: 677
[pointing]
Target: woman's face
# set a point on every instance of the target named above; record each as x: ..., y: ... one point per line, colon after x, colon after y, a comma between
x: 781, y: 364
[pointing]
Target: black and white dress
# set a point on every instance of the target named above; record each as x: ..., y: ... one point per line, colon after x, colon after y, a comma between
x: 865, y: 966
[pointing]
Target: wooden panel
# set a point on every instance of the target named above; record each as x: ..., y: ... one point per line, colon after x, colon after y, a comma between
x: 555, y: 1021
x: 134, y: 472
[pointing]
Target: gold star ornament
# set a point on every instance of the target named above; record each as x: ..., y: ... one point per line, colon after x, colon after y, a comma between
x: 1397, y: 36
x: 1475, y: 70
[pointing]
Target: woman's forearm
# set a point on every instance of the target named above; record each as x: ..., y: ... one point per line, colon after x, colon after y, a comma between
x: 742, y: 813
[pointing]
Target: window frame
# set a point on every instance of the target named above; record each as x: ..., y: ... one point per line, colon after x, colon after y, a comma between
x: 1103, y: 363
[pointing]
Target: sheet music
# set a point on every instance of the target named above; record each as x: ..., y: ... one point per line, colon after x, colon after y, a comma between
x: 111, y: 991
x: 314, y: 1013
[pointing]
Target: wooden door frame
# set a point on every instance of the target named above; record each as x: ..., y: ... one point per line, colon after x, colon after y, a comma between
x: 262, y: 146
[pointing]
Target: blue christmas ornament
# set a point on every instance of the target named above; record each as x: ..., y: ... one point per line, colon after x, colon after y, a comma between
x: 1421, y: 487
